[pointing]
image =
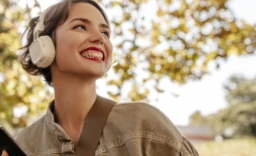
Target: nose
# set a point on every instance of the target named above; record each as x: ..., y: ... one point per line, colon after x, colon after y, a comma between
x: 97, y: 37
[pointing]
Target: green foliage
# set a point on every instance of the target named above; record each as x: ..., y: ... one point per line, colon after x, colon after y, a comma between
x: 238, y: 118
x: 177, y: 43
x: 240, y: 90
x: 197, y: 119
x: 21, y: 95
x: 241, y: 98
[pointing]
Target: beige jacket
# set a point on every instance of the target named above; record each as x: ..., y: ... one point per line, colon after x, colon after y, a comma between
x: 132, y: 129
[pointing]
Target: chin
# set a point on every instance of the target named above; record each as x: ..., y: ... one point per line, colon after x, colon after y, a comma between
x: 95, y: 74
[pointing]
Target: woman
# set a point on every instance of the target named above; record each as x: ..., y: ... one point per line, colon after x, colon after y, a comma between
x: 82, y: 53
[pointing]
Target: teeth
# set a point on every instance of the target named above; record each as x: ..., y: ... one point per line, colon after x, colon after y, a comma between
x: 92, y: 54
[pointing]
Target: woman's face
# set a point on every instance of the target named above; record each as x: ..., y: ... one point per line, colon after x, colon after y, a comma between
x: 83, y: 47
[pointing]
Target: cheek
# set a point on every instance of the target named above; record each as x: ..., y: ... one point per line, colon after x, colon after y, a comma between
x: 61, y: 42
x: 110, y: 49
x: 65, y: 48
x: 66, y: 42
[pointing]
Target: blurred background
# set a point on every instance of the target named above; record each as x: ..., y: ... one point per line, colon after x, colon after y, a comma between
x: 192, y: 59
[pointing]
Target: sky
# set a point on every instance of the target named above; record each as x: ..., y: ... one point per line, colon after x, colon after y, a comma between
x: 206, y: 95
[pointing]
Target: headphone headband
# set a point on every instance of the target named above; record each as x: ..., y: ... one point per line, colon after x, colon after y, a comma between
x: 41, y: 50
x: 40, y: 25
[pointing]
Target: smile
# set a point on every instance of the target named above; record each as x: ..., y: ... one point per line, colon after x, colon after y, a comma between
x: 92, y: 54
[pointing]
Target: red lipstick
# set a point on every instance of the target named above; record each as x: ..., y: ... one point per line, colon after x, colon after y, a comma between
x: 95, y: 49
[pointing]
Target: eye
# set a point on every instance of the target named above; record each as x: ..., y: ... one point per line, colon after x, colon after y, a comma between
x: 79, y: 27
x: 106, y: 33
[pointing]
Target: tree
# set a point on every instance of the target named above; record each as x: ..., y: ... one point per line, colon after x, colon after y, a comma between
x: 240, y: 90
x: 197, y: 119
x: 238, y: 118
x: 169, y: 42
x: 21, y: 95
x: 172, y: 42
x: 241, y: 99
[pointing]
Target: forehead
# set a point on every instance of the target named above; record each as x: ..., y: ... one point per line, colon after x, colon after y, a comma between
x: 85, y: 10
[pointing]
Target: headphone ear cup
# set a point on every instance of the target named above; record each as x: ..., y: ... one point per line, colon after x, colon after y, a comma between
x: 42, y: 51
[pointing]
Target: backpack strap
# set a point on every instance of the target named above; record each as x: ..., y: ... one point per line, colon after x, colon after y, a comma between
x: 93, y: 127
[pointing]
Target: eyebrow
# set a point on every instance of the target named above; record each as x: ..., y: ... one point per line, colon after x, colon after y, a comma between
x: 103, y: 25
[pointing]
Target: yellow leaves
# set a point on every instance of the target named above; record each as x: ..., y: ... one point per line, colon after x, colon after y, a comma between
x: 233, y: 27
x: 182, y: 54
x: 6, y: 24
x: 232, y: 37
x: 160, y: 12
x: 155, y: 36
x: 179, y: 78
x: 114, y: 82
x: 116, y: 3
x: 159, y: 90
x: 2, y: 115
x: 15, y: 88
x: 132, y: 30
x: 245, y: 32
x: 139, y: 1
x: 208, y: 58
x: 8, y: 14
x: 168, y: 2
x: 211, y: 56
x: 4, y: 39
x: 233, y: 50
x: 1, y: 9
x: 221, y: 2
x: 10, y: 87
x: 180, y: 12
x: 138, y: 93
x: 10, y: 39
x: 127, y: 16
x: 183, y: 6
x: 21, y: 90
x: 33, y: 104
x: 183, y: 27
x: 114, y: 95
x: 18, y: 91
x: 171, y: 32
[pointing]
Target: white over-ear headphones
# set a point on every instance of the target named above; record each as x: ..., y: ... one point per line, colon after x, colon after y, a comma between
x: 41, y: 50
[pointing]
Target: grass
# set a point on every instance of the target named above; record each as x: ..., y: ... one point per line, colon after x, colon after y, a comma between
x: 234, y: 147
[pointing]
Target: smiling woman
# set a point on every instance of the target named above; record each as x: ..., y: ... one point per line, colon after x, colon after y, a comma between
x: 69, y: 45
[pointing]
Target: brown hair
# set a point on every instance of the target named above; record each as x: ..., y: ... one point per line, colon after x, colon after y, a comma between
x: 55, y: 15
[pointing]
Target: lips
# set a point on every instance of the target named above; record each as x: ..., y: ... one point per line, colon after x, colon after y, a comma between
x: 93, y: 53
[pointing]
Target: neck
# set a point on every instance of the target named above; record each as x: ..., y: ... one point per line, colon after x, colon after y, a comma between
x: 72, y: 103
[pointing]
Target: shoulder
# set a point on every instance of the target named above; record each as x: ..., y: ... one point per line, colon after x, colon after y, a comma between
x: 30, y: 131
x: 138, y: 128
x: 140, y: 121
x: 31, y: 139
x: 141, y: 112
x: 142, y: 116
